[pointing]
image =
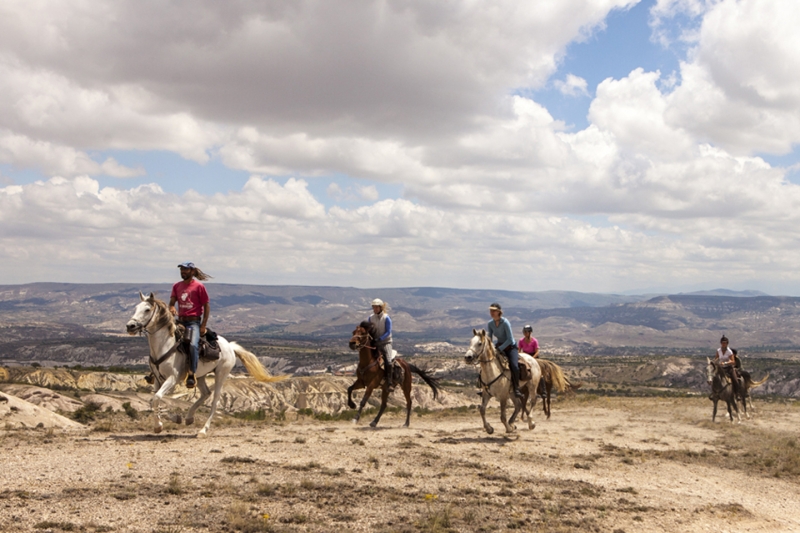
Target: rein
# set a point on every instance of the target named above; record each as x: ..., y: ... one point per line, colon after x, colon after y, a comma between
x: 157, y: 362
x: 492, y: 357
x: 361, y: 371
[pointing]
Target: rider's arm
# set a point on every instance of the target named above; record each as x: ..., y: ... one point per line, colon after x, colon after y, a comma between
x: 388, y: 329
x: 172, y: 309
x: 507, y: 330
x: 206, y: 314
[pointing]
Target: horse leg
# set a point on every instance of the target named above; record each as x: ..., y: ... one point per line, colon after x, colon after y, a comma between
x: 355, y: 386
x: 714, y: 414
x: 367, y: 394
x: 503, y: 418
x: 546, y: 400
x: 735, y: 408
x: 384, y: 399
x: 219, y: 380
x: 204, y: 394
x: 484, y: 401
x: 156, y: 401
x: 407, y: 394
x: 517, y: 408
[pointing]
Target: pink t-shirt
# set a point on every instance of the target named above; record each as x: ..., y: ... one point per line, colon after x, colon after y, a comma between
x: 529, y: 347
x: 190, y: 297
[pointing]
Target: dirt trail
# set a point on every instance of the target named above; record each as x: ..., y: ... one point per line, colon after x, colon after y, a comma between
x: 632, y: 465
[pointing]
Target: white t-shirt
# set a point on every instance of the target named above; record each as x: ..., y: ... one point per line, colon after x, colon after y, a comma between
x: 725, y: 357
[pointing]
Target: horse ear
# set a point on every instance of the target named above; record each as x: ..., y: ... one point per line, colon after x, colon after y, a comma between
x: 474, y: 332
x: 141, y: 296
x: 151, y: 298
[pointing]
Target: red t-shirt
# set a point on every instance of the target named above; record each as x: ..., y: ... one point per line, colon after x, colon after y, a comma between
x: 190, y: 297
x: 529, y: 347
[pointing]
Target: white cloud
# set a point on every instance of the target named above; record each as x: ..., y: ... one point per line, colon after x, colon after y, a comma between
x: 572, y: 85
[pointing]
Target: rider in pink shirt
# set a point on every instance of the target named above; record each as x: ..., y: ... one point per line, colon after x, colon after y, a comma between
x: 529, y: 344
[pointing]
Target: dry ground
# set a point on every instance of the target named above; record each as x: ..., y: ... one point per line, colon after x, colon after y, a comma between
x: 600, y: 464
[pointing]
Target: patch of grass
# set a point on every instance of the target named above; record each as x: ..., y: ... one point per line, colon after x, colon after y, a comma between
x: 300, y: 440
x: 295, y: 518
x: 357, y: 442
x: 404, y: 474
x: 265, y: 489
x: 237, y: 459
x: 307, y: 484
x: 239, y: 518
x: 436, y: 521
x: 50, y: 524
x: 175, y: 486
x: 256, y: 415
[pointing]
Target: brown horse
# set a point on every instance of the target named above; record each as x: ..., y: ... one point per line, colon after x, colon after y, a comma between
x: 369, y: 374
x: 552, y: 377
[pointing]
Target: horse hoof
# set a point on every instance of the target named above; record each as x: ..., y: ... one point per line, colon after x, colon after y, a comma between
x: 373, y: 424
x: 354, y: 421
x: 189, y: 421
x: 202, y: 434
x: 158, y: 429
x: 351, y: 405
x: 177, y: 419
x: 490, y: 430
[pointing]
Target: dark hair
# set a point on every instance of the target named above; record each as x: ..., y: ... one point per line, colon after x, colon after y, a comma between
x: 735, y: 351
x: 724, y: 339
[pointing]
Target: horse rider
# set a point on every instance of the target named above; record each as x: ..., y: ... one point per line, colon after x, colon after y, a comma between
x: 529, y: 344
x: 193, y: 311
x: 726, y: 359
x: 383, y: 333
x: 500, y: 329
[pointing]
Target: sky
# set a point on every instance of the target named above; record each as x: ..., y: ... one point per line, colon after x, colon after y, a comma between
x: 588, y: 145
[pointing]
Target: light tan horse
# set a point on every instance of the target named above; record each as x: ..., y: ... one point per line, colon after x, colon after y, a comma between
x: 170, y: 367
x: 495, y: 380
x: 552, y: 378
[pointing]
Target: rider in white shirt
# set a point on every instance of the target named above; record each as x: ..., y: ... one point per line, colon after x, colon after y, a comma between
x: 728, y: 362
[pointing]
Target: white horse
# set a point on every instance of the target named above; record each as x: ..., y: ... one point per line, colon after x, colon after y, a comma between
x: 495, y: 378
x: 169, y: 366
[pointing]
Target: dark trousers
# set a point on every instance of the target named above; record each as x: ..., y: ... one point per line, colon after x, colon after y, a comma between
x: 512, y: 354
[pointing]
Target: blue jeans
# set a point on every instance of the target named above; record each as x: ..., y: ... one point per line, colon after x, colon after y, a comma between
x: 193, y: 331
x: 513, y: 357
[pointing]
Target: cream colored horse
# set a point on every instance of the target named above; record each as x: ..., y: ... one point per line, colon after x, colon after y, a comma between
x: 170, y: 367
x: 495, y: 378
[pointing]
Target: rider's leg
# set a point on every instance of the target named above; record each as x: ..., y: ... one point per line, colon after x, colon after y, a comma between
x: 193, y: 331
x: 513, y: 361
x: 388, y: 369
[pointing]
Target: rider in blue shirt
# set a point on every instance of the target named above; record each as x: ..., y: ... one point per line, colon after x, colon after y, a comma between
x: 500, y: 328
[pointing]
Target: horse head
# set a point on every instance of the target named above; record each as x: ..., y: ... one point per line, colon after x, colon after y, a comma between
x: 476, y: 347
x: 143, y: 314
x: 362, y: 335
x: 711, y: 370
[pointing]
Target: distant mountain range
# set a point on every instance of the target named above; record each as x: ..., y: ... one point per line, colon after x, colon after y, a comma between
x: 60, y: 314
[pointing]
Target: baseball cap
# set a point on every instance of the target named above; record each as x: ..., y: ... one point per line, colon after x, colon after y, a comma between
x: 187, y: 264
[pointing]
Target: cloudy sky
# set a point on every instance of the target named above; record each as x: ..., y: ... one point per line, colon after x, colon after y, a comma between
x: 592, y: 145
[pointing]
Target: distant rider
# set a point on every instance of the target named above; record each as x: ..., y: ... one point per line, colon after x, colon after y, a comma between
x: 529, y: 344
x: 726, y: 359
x: 383, y: 333
x: 500, y: 329
x: 193, y: 311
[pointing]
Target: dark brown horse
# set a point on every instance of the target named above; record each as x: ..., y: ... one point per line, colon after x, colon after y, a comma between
x: 369, y: 374
x: 552, y: 377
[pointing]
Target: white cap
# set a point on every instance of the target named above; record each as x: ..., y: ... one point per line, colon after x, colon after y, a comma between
x: 377, y: 301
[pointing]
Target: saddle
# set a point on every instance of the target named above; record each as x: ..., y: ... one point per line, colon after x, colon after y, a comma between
x: 209, y: 347
x: 524, y: 370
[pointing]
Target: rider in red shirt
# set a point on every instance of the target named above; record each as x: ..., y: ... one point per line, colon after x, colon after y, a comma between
x: 193, y: 310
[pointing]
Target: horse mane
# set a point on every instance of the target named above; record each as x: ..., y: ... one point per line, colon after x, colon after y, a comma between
x: 369, y: 327
x: 163, y: 317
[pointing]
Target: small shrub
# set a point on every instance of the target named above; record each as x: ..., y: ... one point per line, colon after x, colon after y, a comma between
x: 130, y: 410
x: 86, y: 414
x: 174, y: 486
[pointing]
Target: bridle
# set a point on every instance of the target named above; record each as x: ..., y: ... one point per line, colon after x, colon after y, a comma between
x: 365, y: 344
x: 486, y: 356
x: 480, y: 356
x: 142, y: 328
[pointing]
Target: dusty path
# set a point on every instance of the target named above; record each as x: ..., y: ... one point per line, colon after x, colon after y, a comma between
x: 604, y: 465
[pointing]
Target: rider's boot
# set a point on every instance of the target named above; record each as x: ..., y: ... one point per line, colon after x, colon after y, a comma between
x: 190, y: 381
x: 388, y: 372
x: 150, y: 378
x: 515, y: 382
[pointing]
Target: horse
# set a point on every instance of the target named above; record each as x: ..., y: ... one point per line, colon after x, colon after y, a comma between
x: 370, y: 374
x: 748, y: 383
x: 552, y: 377
x: 721, y: 389
x: 170, y: 366
x: 495, y: 380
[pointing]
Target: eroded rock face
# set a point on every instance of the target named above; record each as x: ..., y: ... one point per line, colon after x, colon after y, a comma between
x: 43, y: 397
x: 17, y: 413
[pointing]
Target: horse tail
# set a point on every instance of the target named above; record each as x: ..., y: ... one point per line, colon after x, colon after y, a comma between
x: 254, y: 366
x: 754, y: 384
x: 432, y: 382
x: 572, y: 387
x: 557, y: 378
